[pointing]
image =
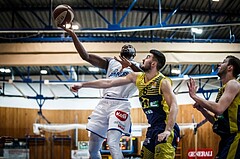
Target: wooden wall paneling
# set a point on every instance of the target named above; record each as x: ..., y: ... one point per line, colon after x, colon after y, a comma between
x: 20, y: 124
x: 69, y: 117
x: 10, y: 116
x: 74, y: 115
x: 5, y: 130
x: 16, y: 122
x: 32, y: 116
x: 28, y: 116
x: 205, y: 136
x: 53, y: 116
x: 38, y: 148
x: 185, y: 115
x: 138, y: 116
x: 83, y: 119
x: 61, y: 146
x: 3, y: 121
x: 38, y: 118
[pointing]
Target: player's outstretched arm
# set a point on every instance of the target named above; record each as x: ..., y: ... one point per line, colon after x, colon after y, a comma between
x: 93, y: 59
x: 105, y: 83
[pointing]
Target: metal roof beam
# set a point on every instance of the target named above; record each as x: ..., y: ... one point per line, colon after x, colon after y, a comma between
x: 186, y: 17
x: 22, y: 20
x: 173, y: 12
x: 24, y: 79
x: 196, y: 12
x: 126, y: 13
x: 34, y: 13
x: 96, y: 11
x: 141, y: 23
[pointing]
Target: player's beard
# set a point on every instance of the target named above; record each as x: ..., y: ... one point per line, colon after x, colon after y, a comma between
x: 146, y: 68
x: 222, y: 71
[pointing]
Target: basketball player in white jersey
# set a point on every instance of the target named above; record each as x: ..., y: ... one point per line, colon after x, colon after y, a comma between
x: 111, y: 117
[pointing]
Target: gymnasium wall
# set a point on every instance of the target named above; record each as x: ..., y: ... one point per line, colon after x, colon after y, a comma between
x: 17, y: 122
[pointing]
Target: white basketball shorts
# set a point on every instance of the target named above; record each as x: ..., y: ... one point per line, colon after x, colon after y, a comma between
x: 110, y: 114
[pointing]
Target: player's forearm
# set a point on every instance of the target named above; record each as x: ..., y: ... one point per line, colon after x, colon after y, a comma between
x: 102, y: 83
x: 209, y: 105
x: 79, y: 47
x: 207, y: 115
x: 105, y: 83
x: 172, y: 117
x: 135, y: 68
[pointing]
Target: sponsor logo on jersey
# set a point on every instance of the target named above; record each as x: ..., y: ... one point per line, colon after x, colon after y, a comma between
x: 121, y: 126
x: 115, y: 73
x: 154, y: 85
x: 154, y: 104
x: 121, y: 115
x: 149, y: 111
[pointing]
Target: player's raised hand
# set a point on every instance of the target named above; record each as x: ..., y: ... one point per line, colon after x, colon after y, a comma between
x: 68, y: 30
x: 124, y: 62
x: 192, y: 87
x: 76, y: 87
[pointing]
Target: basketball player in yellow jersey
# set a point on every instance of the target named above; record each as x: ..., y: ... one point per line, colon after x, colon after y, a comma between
x: 158, y: 103
x: 226, y: 122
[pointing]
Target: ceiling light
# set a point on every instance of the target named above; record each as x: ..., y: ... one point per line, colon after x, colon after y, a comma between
x: 74, y: 25
x: 215, y: 0
x: 68, y: 26
x: 2, y: 70
x: 93, y: 69
x: 176, y: 71
x: 46, y: 82
x: 185, y: 77
x: 196, y: 30
x: 43, y: 72
x: 5, y: 70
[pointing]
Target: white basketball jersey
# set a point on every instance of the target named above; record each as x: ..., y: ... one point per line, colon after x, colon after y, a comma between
x: 124, y: 91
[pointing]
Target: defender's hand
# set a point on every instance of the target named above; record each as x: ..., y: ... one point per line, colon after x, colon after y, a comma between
x: 124, y: 62
x: 164, y: 136
x: 192, y: 87
x: 76, y: 87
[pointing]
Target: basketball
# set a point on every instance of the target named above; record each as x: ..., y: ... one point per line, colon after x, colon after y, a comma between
x: 63, y: 14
